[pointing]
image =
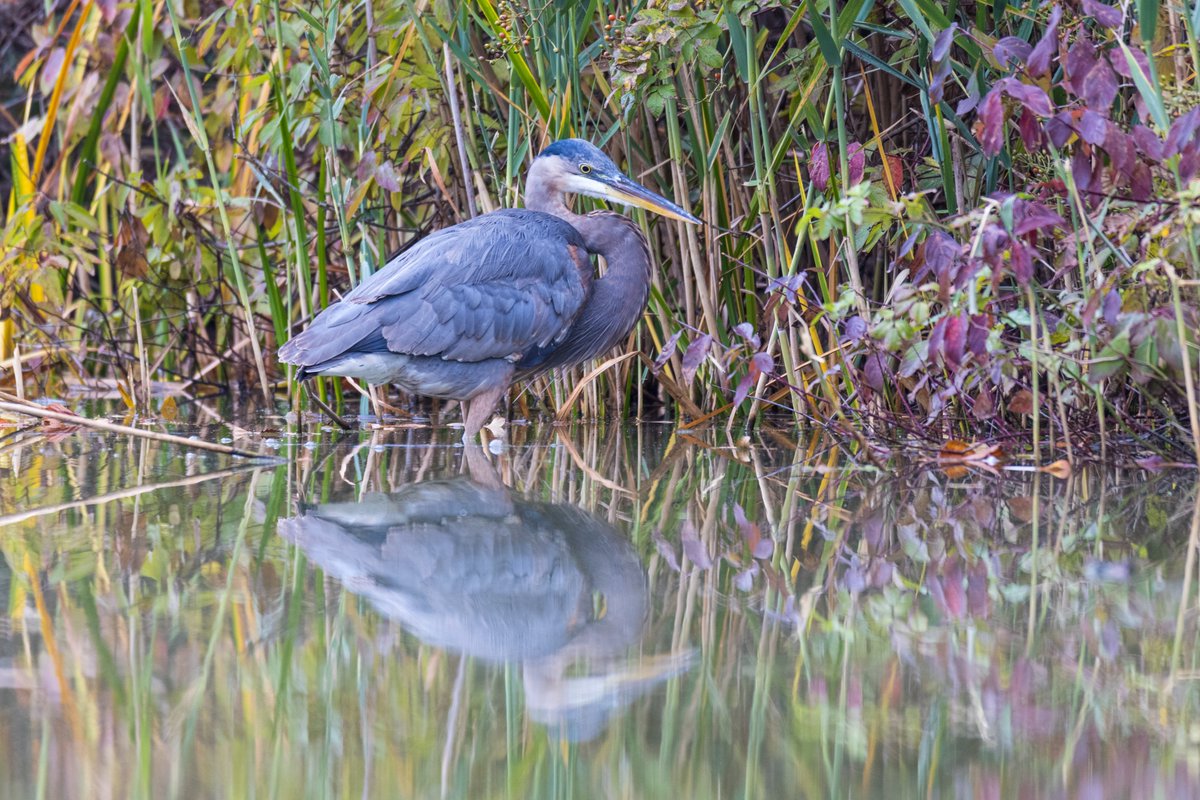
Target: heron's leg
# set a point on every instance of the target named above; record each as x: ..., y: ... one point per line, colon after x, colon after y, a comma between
x: 479, y: 408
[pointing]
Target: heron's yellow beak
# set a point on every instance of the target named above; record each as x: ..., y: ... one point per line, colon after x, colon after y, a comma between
x: 623, y: 190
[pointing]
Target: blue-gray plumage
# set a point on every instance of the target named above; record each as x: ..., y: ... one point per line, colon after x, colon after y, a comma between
x: 503, y: 296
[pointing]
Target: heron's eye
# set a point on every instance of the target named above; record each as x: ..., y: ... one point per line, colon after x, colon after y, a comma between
x: 585, y: 168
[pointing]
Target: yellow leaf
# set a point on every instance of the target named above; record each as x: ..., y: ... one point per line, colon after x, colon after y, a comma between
x: 169, y: 411
x: 125, y: 396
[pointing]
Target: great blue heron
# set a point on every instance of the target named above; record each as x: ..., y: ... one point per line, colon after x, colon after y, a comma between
x: 506, y: 295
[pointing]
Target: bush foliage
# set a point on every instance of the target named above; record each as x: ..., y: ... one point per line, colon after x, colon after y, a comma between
x: 971, y: 221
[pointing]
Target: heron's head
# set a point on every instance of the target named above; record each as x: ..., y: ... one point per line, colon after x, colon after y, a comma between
x: 578, y: 167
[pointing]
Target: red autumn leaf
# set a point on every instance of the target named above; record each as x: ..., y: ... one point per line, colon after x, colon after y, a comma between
x: 1021, y: 402
x: 893, y: 169
x: 955, y: 341
x: 991, y: 123
x: 1038, y: 63
x: 856, y: 159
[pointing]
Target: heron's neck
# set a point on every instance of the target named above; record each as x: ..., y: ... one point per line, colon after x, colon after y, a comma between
x: 617, y: 299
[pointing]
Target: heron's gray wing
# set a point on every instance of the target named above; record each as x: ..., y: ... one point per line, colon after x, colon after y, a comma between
x: 491, y: 287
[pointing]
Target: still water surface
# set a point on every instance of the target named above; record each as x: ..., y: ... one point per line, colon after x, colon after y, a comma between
x: 629, y: 614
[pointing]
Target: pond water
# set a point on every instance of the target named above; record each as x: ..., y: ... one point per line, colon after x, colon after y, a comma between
x: 622, y: 613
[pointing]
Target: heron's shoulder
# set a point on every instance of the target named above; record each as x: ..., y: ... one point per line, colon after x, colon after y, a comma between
x: 528, y: 222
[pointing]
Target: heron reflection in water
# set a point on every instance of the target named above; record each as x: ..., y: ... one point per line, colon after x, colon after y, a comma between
x: 504, y: 296
x: 470, y: 568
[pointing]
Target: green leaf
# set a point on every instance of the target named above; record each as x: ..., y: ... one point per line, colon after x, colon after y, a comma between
x: 829, y: 48
x: 1147, y: 14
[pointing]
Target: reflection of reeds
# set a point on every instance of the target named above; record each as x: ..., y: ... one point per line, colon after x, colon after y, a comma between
x: 889, y: 644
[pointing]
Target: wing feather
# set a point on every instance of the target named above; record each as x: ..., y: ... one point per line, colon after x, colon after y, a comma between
x: 492, y: 287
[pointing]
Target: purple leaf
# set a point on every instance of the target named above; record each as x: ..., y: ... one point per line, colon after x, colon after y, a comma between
x: 1038, y: 63
x: 977, y: 594
x: 1058, y: 128
x: 1182, y: 131
x: 1100, y: 87
x: 873, y: 371
x: 1030, y: 130
x: 1141, y: 184
x: 1012, y: 50
x: 854, y: 329
x: 366, y: 166
x: 1189, y: 162
x: 1093, y: 127
x: 743, y: 389
x: 666, y: 551
x: 744, y: 580
x: 1121, y: 151
x: 1079, y: 62
x: 1148, y: 143
x: 694, y: 357
x: 1032, y: 216
x: 969, y: 102
x: 937, y: 83
x: 1112, y: 307
x: 955, y: 340
x: 763, y: 549
x: 1030, y: 96
x: 1105, y: 16
x: 1022, y: 262
x: 1120, y: 63
x: 977, y: 335
x: 941, y: 44
x: 991, y: 119
x: 668, y: 350
x: 746, y: 331
x: 857, y: 161
x: 941, y: 255
x: 1081, y: 171
x: 763, y: 363
x: 386, y: 178
x: 818, y: 166
x: 693, y: 548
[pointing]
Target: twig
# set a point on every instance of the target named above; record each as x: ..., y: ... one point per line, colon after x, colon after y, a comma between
x: 32, y: 410
x: 346, y: 426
